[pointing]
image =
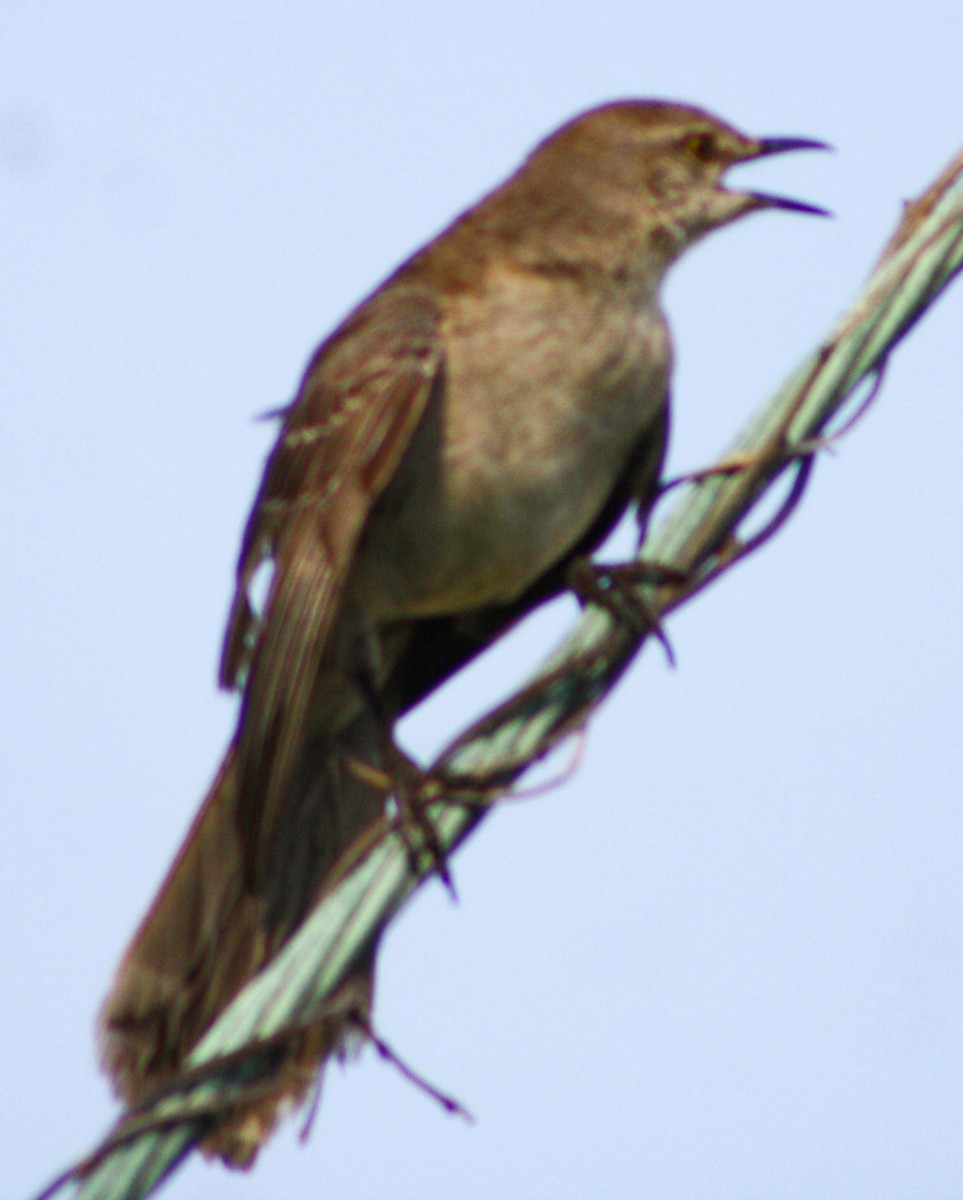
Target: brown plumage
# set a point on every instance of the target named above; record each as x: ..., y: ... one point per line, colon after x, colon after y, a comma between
x: 482, y: 419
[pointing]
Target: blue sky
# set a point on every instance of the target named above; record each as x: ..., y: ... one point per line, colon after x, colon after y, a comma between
x: 726, y: 960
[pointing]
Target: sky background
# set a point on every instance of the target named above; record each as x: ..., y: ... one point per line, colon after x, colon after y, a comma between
x: 726, y: 960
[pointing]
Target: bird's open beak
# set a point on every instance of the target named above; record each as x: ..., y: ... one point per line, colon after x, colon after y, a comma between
x: 781, y: 145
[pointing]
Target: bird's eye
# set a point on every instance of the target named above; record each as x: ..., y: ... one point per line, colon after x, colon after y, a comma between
x: 701, y: 146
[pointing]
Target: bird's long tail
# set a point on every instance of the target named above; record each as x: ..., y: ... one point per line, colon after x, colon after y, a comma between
x: 213, y: 926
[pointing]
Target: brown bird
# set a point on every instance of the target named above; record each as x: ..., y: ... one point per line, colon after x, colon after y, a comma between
x: 480, y: 422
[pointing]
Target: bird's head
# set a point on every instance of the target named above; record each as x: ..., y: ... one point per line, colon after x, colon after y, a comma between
x: 664, y: 163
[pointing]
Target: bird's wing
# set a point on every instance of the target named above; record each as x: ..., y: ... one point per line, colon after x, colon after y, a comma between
x: 341, y: 440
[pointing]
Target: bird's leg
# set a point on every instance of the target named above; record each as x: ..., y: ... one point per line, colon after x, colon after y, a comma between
x: 412, y: 791
x: 405, y: 785
x: 614, y: 587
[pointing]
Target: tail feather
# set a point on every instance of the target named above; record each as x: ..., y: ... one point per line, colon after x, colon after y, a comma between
x: 208, y: 932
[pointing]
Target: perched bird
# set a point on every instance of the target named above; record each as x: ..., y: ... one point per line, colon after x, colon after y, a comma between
x: 477, y: 424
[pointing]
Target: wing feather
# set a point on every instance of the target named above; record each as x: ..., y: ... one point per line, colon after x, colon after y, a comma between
x: 361, y: 399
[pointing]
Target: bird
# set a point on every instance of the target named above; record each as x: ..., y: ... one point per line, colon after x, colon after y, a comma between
x: 470, y: 431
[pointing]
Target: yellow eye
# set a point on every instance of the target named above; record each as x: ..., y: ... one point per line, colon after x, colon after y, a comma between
x: 701, y: 146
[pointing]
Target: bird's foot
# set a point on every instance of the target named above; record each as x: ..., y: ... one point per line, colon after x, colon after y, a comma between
x: 408, y: 792
x: 614, y: 587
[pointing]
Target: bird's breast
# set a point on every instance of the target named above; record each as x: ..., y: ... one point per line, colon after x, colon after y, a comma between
x: 540, y: 407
